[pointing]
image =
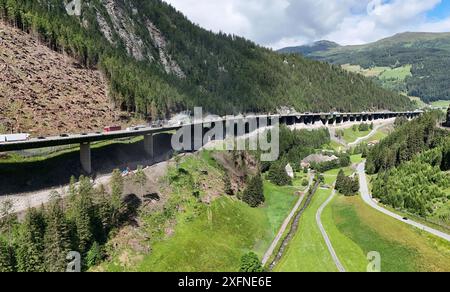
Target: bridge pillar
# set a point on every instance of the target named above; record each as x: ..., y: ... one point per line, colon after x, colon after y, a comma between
x: 331, y: 121
x: 85, y: 157
x: 148, y: 145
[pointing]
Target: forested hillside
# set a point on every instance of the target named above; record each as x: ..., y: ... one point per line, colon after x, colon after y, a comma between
x: 157, y: 62
x: 408, y: 140
x: 412, y: 167
x: 425, y: 57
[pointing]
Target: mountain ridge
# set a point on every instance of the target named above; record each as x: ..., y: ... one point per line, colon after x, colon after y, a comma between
x: 426, y: 57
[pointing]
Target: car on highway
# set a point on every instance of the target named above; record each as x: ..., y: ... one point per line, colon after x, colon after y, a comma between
x: 112, y: 129
x: 157, y: 124
x: 136, y: 128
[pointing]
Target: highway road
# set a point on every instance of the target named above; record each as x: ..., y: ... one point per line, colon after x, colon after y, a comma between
x: 367, y: 197
x: 334, y: 256
x: 67, y: 139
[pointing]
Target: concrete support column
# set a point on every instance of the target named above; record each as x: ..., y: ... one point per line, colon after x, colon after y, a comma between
x: 149, y: 145
x: 85, y: 157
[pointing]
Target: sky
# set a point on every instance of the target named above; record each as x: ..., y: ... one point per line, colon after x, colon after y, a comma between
x: 282, y: 23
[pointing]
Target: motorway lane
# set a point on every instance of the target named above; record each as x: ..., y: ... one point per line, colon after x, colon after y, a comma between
x: 367, y: 197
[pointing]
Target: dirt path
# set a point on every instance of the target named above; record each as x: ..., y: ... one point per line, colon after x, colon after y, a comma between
x: 336, y: 260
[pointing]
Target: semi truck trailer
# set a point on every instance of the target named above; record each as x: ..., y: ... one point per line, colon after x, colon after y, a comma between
x: 14, y: 137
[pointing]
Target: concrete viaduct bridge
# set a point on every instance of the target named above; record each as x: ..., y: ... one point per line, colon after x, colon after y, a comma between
x: 246, y: 124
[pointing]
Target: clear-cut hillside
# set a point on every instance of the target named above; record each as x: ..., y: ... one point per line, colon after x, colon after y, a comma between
x: 43, y: 92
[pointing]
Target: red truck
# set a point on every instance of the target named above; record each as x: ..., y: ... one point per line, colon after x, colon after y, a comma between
x: 112, y: 129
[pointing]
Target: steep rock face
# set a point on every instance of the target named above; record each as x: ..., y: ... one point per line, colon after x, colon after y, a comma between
x: 151, y: 47
x: 125, y: 29
x: 170, y: 66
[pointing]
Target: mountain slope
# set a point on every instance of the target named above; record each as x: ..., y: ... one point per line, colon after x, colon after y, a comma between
x: 157, y: 62
x: 310, y: 49
x: 44, y: 93
x: 424, y: 56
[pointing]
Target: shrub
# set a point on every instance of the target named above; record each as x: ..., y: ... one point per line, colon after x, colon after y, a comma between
x: 251, y: 263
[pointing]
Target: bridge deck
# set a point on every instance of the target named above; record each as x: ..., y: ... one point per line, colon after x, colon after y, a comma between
x: 96, y: 137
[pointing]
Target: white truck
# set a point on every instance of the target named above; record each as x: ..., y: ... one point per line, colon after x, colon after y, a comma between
x: 14, y: 137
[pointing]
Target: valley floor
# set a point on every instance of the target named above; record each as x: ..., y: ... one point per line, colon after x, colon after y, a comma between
x: 356, y: 230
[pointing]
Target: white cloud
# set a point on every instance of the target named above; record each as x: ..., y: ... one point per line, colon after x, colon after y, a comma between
x: 279, y: 23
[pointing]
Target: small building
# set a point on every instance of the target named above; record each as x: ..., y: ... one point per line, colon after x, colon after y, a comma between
x: 290, y: 171
x: 305, y: 165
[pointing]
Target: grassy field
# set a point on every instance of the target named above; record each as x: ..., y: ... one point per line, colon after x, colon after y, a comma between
x: 220, y: 236
x: 418, y: 101
x: 334, y: 146
x: 330, y: 176
x: 307, y: 251
x: 383, y: 73
x: 212, y: 237
x: 441, y: 103
x: 402, y: 247
x: 378, y: 136
x: 400, y: 73
x: 370, y: 72
x: 356, y: 159
x: 356, y: 229
x: 351, y: 136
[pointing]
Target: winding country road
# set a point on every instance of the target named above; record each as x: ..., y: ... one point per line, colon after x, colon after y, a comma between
x: 336, y: 260
x: 364, y: 189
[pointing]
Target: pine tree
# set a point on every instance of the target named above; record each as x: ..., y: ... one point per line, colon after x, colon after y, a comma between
x: 104, y: 210
x: 30, y: 248
x: 57, y: 239
x: 254, y: 193
x: 227, y: 185
x: 140, y: 179
x: 278, y: 174
x: 340, y: 180
x: 7, y: 257
x: 116, y: 204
